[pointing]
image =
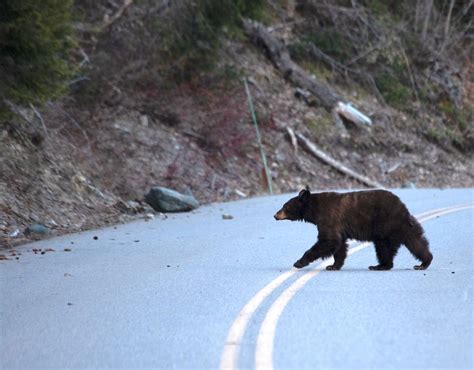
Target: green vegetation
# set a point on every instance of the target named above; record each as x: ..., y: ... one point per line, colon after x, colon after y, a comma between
x: 387, y: 9
x: 445, y: 135
x: 453, y: 114
x: 193, y: 35
x: 319, y: 124
x: 378, y: 7
x: 393, y: 91
x: 35, y: 44
x: 332, y: 43
x: 329, y: 41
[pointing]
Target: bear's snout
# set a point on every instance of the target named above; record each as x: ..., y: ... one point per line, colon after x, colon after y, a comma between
x: 280, y: 215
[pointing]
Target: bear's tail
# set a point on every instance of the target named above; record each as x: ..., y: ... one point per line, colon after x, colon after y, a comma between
x: 417, y: 243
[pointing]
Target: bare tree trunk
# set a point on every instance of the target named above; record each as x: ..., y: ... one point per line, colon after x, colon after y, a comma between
x: 448, y: 20
x: 447, y: 26
x: 417, y: 15
x: 427, y: 15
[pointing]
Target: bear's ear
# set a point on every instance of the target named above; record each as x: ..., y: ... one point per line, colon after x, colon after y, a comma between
x: 304, y: 194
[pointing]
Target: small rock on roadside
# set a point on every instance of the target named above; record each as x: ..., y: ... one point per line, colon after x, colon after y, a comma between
x: 149, y: 216
x: 240, y: 193
x: 14, y: 233
x: 227, y: 217
x: 36, y: 229
x: 409, y: 185
x: 52, y: 224
x: 146, y: 208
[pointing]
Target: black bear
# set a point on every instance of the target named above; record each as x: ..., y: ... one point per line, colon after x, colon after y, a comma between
x: 378, y: 216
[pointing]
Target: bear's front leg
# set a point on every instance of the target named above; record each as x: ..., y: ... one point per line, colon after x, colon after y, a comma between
x: 305, y: 260
x: 339, y: 257
x: 322, y: 249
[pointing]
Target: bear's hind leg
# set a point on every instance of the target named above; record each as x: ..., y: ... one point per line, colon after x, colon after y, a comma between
x: 386, y: 252
x: 339, y: 257
x: 419, y: 247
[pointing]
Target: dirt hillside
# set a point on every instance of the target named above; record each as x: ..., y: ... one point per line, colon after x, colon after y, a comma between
x: 87, y: 160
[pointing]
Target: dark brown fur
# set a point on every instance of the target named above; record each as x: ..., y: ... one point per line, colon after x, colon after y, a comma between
x: 378, y: 216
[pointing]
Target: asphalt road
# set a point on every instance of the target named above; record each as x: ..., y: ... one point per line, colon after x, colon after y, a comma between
x: 198, y: 291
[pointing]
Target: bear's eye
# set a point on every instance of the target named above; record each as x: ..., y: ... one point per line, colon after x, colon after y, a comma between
x: 290, y: 210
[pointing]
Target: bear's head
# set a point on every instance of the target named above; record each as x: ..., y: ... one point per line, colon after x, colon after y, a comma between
x: 295, y: 208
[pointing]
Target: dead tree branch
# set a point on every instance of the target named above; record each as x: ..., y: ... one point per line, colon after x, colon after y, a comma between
x: 116, y: 16
x: 318, y: 153
x: 293, y: 139
x: 37, y: 114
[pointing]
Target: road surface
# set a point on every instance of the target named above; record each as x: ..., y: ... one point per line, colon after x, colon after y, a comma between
x: 198, y: 291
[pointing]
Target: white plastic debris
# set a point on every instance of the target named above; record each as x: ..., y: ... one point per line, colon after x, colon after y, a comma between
x: 349, y: 112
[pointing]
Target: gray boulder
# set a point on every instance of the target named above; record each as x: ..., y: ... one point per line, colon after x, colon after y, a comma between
x: 37, y: 229
x: 167, y: 200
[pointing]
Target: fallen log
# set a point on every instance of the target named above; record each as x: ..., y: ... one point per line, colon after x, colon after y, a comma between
x: 279, y: 55
x: 321, y: 155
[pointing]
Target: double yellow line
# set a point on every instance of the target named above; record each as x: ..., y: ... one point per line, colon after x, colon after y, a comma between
x: 266, y: 335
